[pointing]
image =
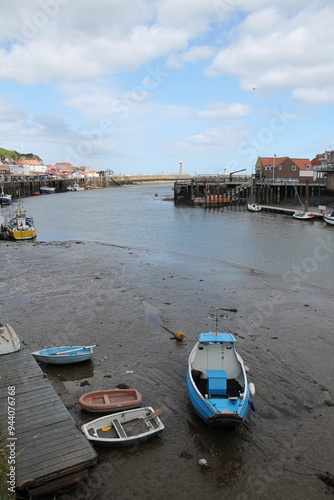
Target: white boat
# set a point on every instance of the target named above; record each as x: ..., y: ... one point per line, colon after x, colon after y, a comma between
x: 47, y: 190
x: 21, y: 226
x: 9, y: 341
x: 329, y: 219
x: 5, y: 199
x: 75, y: 187
x: 303, y: 215
x: 253, y: 207
x: 64, y: 355
x: 124, y: 428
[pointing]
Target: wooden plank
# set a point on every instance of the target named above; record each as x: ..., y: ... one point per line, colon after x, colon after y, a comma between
x: 58, y: 468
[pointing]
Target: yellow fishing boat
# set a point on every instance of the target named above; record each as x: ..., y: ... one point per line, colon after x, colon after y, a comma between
x: 21, y: 227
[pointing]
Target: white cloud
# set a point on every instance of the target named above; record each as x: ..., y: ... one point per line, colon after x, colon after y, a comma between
x: 193, y: 55
x: 272, y: 51
x: 212, y: 140
x: 315, y: 96
x: 221, y: 110
x: 9, y: 113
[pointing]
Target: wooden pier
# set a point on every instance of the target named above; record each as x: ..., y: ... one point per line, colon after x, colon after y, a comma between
x: 219, y: 192
x: 46, y: 449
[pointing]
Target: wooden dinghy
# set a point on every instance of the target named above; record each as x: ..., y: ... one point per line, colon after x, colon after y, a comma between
x: 110, y: 400
x: 64, y: 355
x: 9, y: 341
x: 124, y: 428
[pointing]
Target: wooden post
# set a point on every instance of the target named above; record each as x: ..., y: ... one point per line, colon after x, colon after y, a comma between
x: 306, y: 195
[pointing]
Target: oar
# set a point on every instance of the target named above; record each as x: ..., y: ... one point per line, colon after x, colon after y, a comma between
x: 150, y: 417
x: 72, y: 350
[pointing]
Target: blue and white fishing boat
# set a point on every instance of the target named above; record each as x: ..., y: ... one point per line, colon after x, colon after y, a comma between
x: 5, y: 199
x: 47, y: 190
x: 64, y: 355
x: 217, y: 381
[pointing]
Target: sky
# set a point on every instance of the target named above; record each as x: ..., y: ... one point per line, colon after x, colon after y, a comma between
x: 137, y: 86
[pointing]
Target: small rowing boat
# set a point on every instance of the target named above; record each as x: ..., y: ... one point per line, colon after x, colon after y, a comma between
x: 110, y: 400
x: 64, y: 355
x: 124, y: 428
x: 303, y: 215
x: 9, y: 340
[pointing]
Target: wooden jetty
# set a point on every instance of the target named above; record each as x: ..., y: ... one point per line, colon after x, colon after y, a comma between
x: 219, y: 192
x: 46, y: 449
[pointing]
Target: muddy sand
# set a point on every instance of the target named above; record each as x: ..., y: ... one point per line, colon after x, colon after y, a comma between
x: 121, y: 298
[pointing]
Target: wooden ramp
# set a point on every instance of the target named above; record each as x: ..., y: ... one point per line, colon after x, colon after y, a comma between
x: 50, y: 451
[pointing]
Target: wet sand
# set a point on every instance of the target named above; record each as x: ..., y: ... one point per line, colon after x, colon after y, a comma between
x: 89, y: 293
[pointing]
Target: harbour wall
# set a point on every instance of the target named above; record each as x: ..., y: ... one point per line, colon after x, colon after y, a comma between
x: 25, y: 187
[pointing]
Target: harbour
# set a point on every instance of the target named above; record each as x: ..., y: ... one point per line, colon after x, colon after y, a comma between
x: 120, y: 263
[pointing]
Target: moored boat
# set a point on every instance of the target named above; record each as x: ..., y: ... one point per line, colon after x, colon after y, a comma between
x: 9, y: 340
x: 253, y: 207
x: 303, y: 215
x: 64, y: 355
x: 124, y: 428
x: 21, y: 226
x: 329, y: 219
x: 217, y: 381
x: 47, y: 190
x: 110, y: 400
x: 5, y: 199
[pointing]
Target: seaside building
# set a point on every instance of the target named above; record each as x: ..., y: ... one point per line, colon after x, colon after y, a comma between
x: 283, y: 169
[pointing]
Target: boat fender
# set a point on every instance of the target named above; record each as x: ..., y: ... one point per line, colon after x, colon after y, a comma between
x: 252, y: 405
x: 251, y: 388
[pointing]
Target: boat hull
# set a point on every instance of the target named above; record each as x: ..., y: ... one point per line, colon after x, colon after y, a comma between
x: 60, y: 356
x: 114, y: 430
x: 253, y: 207
x: 5, y: 200
x: 47, y: 190
x: 17, y: 234
x: 9, y: 341
x: 110, y: 401
x: 303, y: 216
x: 217, y: 382
x: 329, y: 220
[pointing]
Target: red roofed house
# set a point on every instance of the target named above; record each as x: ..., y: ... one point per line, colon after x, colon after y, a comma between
x: 283, y: 169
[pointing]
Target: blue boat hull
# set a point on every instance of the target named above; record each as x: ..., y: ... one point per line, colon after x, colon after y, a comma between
x: 217, y: 381
x: 59, y: 355
x: 217, y: 411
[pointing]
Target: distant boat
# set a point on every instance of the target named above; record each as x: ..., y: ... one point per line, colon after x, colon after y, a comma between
x: 9, y: 341
x: 329, y: 219
x: 110, y: 400
x: 217, y: 381
x: 47, y: 190
x: 21, y: 226
x: 124, y: 428
x: 75, y: 187
x: 64, y: 355
x: 5, y: 199
x: 303, y: 215
x: 253, y: 207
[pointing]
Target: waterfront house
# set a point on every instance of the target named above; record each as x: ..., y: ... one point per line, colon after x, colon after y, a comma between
x: 285, y: 169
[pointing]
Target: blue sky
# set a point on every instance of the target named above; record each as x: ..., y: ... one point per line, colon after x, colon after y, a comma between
x: 137, y: 86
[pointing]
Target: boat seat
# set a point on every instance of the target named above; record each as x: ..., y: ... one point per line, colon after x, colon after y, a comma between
x: 217, y: 382
x: 106, y: 399
x: 120, y: 430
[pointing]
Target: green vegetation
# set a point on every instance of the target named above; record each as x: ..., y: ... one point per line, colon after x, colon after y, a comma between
x: 15, y: 156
